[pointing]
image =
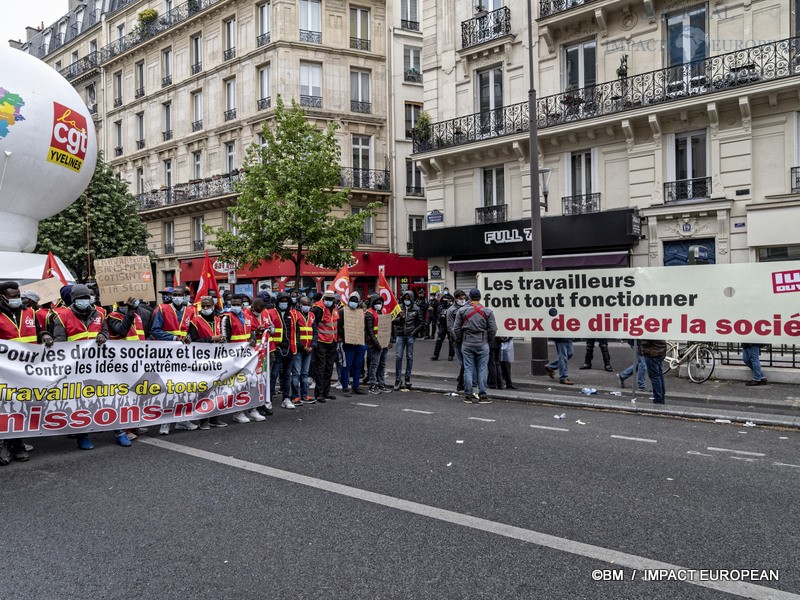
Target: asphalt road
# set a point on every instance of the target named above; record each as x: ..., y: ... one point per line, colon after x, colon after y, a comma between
x: 406, y: 495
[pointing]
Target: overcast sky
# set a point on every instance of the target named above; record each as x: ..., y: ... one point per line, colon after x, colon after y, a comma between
x: 28, y: 12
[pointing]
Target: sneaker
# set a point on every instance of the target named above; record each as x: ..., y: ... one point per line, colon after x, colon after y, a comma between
x: 131, y: 436
x: 309, y: 400
x: 288, y: 404
x: 757, y: 382
x: 338, y: 386
x: 347, y: 393
x: 329, y: 397
x: 204, y: 425
x: 185, y: 425
x: 396, y: 384
x: 585, y: 366
x: 641, y: 390
x: 565, y: 382
x: 254, y: 415
x: 85, y: 443
x: 475, y: 396
x: 240, y: 417
x: 550, y: 372
x: 608, y: 368
x: 321, y: 399
x: 123, y: 440
x: 217, y: 422
x: 450, y: 358
x: 384, y: 390
x: 468, y: 398
x: 434, y: 358
x: 5, y: 455
x: 28, y: 448
x: 140, y: 431
x: 407, y: 384
x: 359, y: 391
x: 373, y: 389
x: 296, y: 401
x: 621, y: 380
x: 164, y: 429
x: 483, y: 399
x: 21, y: 455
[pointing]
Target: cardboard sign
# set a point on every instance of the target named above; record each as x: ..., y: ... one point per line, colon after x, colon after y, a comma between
x: 124, y: 277
x: 384, y: 330
x: 353, y: 325
x: 48, y: 289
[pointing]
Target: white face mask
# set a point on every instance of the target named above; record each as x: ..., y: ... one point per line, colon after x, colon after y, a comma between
x: 14, y: 302
x: 461, y: 302
x: 207, y: 311
x: 177, y: 300
x: 378, y: 306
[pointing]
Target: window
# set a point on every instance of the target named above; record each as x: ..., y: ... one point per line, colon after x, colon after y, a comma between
x: 197, y: 164
x: 415, y: 223
x: 138, y: 76
x: 310, y: 84
x: 167, y: 120
x: 230, y: 223
x: 230, y: 156
x: 412, y: 114
x: 359, y: 92
x: 91, y: 97
x: 580, y: 178
x: 690, y: 167
x: 57, y: 66
x: 359, y: 29
x: 74, y: 57
x: 120, y: 31
x: 778, y: 253
x: 413, y: 179
x: 264, y: 24
x: 310, y: 15
x: 580, y: 62
x: 490, y: 99
x: 230, y: 39
x: 140, y: 180
x: 92, y: 46
x: 117, y: 87
x: 362, y: 161
x: 581, y: 186
x: 409, y: 15
x: 140, y: 130
x: 166, y: 66
x: 168, y: 172
x: 79, y: 19
x: 412, y: 64
x: 169, y: 278
x: 198, y: 235
x: 196, y: 49
x: 230, y: 95
x: 168, y: 4
x: 366, y: 236
x: 494, y: 186
x: 264, y: 92
x: 118, y: 138
x: 686, y: 44
x: 197, y: 107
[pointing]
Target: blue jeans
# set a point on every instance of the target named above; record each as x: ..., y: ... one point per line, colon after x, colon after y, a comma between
x: 641, y: 371
x: 354, y: 358
x: 377, y: 365
x: 656, y: 377
x: 476, y: 358
x: 564, y: 350
x: 751, y: 356
x: 301, y: 364
x: 281, y: 368
x: 403, y: 342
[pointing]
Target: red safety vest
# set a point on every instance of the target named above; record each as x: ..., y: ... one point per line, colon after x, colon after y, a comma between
x: 26, y: 332
x: 204, y: 328
x: 41, y: 316
x: 375, y: 314
x: 277, y: 337
x: 305, y: 321
x: 170, y: 319
x: 136, y: 331
x: 240, y: 332
x: 327, y: 328
x: 76, y: 329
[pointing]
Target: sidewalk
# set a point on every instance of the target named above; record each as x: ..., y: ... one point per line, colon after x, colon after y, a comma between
x: 724, y: 396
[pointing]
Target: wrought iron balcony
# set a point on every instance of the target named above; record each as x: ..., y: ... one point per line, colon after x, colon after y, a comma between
x: 166, y: 80
x: 56, y: 41
x: 139, y: 144
x: 795, y: 180
x: 412, y: 75
x: 312, y: 37
x: 81, y: 66
x: 410, y: 247
x: 485, y: 28
x: 360, y: 107
x: 230, y: 114
x: 139, y: 92
x: 311, y: 101
x: 197, y: 125
x: 409, y: 25
x: 118, y: 151
x: 490, y: 214
x: 365, y: 179
x: 366, y: 238
x: 199, y: 244
x: 724, y: 72
x: 264, y: 103
x: 682, y: 190
x: 359, y: 44
x: 229, y: 53
x: 162, y: 23
x: 197, y: 67
x: 167, y: 135
x: 118, y: 102
x: 212, y: 187
x: 264, y: 39
x: 414, y: 190
x: 581, y: 204
x: 169, y: 248
x: 551, y: 7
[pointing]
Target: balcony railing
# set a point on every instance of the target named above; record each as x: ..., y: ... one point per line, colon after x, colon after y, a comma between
x: 410, y: 247
x: 414, y: 190
x: 742, y: 68
x: 264, y: 103
x: 698, y: 188
x: 483, y: 29
x: 197, y: 125
x: 162, y: 23
x: 199, y: 244
x: 229, y: 53
x: 167, y: 135
x: 360, y: 107
x: 795, y: 180
x: 189, y: 192
x: 81, y: 66
x: 360, y: 44
x: 118, y: 151
x: 409, y: 25
x: 139, y: 92
x: 197, y: 67
x: 169, y: 248
x: 490, y: 214
x: 139, y: 144
x: 412, y: 75
x: 581, y: 204
x: 366, y: 238
x: 166, y: 80
x: 365, y: 179
x: 551, y: 7
x: 118, y: 102
x: 264, y: 39
x: 312, y: 37
x: 230, y: 114
x: 311, y: 101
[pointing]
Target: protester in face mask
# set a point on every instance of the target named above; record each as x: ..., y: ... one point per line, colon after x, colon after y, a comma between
x: 377, y: 352
x: 171, y: 320
x: 405, y: 327
x: 460, y: 299
x: 125, y: 323
x: 206, y: 328
x: 353, y: 349
x: 302, y: 359
x: 325, y: 335
x: 283, y: 345
x: 475, y: 329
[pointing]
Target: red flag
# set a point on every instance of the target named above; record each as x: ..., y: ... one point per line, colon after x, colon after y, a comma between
x: 207, y: 283
x: 390, y: 305
x: 342, y: 284
x: 51, y: 269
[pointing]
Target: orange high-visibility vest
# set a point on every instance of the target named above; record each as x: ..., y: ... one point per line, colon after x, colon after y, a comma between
x: 170, y: 319
x: 26, y: 332
x: 305, y: 322
x: 136, y: 331
x: 76, y: 329
x: 327, y: 328
x: 204, y: 328
x: 240, y: 332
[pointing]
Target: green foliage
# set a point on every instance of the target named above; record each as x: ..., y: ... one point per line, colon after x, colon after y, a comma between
x: 287, y: 206
x: 147, y: 15
x: 115, y: 228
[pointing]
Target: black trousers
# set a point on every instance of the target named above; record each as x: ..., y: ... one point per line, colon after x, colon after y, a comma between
x: 324, y: 358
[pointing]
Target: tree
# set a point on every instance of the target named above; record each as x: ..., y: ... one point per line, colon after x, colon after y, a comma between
x: 115, y: 228
x: 287, y: 205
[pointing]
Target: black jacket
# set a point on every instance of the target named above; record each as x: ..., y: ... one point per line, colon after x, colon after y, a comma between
x: 408, y: 323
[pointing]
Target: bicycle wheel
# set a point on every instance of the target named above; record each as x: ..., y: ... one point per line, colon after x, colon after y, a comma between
x: 670, y: 358
x: 701, y: 364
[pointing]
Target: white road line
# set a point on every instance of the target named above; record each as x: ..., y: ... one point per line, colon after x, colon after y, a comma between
x: 422, y: 412
x: 742, y: 452
x: 739, y: 588
x: 777, y: 464
x: 744, y: 458
x: 698, y: 453
x: 633, y: 439
x: 365, y: 404
x: 479, y: 419
x: 549, y: 428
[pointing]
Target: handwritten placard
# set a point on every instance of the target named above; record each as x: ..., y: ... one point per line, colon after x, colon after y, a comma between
x: 124, y: 277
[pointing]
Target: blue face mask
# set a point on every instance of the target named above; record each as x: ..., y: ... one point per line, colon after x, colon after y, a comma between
x: 236, y: 309
x: 83, y: 303
x: 352, y: 304
x: 328, y: 303
x: 407, y: 302
x: 15, y: 302
x: 283, y: 305
x: 305, y: 308
x: 246, y: 305
x: 378, y: 306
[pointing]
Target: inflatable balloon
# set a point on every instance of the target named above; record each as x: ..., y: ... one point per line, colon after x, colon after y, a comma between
x: 48, y: 147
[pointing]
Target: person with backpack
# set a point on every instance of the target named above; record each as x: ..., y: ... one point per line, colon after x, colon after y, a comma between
x: 475, y: 328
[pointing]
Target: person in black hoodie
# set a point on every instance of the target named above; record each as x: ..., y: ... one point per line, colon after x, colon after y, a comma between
x: 404, y: 331
x: 377, y: 353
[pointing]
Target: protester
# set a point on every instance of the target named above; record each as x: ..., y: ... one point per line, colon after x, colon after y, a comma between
x: 237, y: 328
x: 587, y: 359
x: 474, y: 329
x: 354, y: 350
x: 377, y: 352
x: 506, y: 358
x: 641, y: 371
x: 422, y: 306
x: 284, y: 348
x: 325, y: 336
x: 405, y: 327
x: 206, y: 328
x: 171, y: 319
x: 125, y: 322
x: 302, y: 358
x: 460, y: 299
x: 751, y: 356
x: 561, y: 362
x: 654, y: 352
x: 442, y: 306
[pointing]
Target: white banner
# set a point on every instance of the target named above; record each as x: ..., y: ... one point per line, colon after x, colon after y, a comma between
x: 78, y: 387
x: 756, y: 303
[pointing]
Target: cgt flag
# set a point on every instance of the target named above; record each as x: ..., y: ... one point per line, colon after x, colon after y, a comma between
x: 341, y: 284
x: 390, y: 305
x: 51, y: 269
x: 207, y: 283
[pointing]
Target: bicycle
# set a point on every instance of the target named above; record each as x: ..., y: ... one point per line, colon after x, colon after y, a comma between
x: 697, y: 356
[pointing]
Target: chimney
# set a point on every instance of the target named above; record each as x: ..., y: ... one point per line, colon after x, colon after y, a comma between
x: 17, y: 44
x: 32, y: 32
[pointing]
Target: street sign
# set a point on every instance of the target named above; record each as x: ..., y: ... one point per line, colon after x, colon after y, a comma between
x: 435, y: 216
x: 232, y: 277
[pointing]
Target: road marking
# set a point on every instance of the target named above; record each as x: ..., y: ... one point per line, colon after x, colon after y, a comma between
x: 633, y: 439
x: 742, y: 452
x: 777, y: 464
x: 739, y: 588
x: 744, y: 458
x: 479, y: 419
x: 549, y: 428
x: 698, y: 453
x: 421, y: 412
x: 365, y: 404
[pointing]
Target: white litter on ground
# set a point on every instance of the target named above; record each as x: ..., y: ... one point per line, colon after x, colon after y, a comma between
x: 561, y: 416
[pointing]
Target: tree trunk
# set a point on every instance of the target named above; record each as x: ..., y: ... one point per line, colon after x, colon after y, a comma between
x: 298, y: 261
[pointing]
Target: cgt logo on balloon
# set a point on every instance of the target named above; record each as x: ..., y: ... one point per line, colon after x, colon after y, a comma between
x: 69, y: 141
